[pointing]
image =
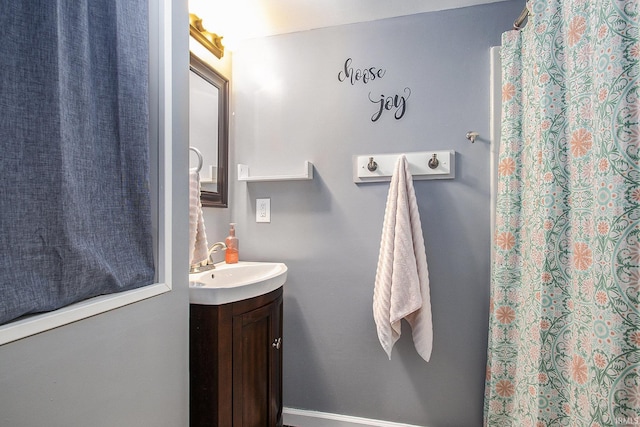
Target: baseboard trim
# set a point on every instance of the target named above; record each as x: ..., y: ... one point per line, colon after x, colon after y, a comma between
x: 304, y: 418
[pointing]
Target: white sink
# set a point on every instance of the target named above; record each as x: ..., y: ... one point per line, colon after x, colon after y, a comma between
x: 234, y: 282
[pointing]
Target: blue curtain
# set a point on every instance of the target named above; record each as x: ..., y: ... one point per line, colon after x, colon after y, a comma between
x: 75, y: 216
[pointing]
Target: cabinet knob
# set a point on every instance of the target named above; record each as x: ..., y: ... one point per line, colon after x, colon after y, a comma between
x: 277, y: 343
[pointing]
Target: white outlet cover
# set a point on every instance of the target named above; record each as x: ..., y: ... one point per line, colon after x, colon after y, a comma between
x: 263, y: 210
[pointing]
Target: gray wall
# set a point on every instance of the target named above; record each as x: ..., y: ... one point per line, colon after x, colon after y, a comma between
x: 126, y: 367
x: 290, y: 107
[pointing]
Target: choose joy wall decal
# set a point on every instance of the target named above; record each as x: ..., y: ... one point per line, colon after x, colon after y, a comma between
x: 395, y: 103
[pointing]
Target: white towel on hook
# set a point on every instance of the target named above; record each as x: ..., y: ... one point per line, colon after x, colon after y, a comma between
x: 402, y: 278
x: 198, y: 246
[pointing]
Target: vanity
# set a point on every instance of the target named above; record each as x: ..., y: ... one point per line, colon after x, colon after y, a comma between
x: 236, y: 345
x: 235, y: 336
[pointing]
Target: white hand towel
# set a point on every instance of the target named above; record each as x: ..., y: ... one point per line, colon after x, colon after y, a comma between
x: 402, y: 278
x: 198, y: 246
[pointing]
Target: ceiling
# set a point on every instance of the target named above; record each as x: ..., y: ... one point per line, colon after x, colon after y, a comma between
x: 241, y: 19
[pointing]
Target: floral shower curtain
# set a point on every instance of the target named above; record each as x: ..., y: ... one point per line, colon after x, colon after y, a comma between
x: 564, y: 339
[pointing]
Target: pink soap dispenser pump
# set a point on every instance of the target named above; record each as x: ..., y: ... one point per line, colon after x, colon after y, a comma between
x: 231, y: 254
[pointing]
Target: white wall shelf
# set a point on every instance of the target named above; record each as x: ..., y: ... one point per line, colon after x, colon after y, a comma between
x: 418, y: 165
x: 244, y: 175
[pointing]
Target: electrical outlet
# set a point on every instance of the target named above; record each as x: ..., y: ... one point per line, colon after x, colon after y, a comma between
x: 263, y: 210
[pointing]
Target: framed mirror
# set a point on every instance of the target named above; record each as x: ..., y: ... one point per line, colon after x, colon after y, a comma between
x: 209, y: 129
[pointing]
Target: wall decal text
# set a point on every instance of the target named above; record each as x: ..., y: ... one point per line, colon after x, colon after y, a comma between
x: 388, y: 103
x: 396, y: 103
x: 365, y: 75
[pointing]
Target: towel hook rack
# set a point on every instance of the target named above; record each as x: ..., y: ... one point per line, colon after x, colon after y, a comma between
x: 199, y: 154
x: 372, y: 166
x: 442, y: 165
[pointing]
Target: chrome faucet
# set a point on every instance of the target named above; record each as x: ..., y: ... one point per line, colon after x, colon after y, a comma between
x: 207, y: 264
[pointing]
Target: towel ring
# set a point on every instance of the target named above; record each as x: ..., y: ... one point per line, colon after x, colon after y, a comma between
x: 199, y: 167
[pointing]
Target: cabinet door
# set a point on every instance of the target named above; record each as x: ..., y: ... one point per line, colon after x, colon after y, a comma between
x: 257, y: 367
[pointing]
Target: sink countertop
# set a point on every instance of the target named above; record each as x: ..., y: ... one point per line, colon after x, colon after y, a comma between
x: 228, y: 283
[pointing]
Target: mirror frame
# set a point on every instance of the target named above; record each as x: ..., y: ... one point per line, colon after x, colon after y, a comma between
x: 216, y: 199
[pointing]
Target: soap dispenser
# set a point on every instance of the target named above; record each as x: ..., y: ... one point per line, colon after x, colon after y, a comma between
x: 231, y: 254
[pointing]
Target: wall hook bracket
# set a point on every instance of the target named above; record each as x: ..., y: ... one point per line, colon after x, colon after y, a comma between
x: 471, y: 136
x: 422, y: 165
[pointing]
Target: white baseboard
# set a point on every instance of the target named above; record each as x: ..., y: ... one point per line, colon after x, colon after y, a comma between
x: 303, y: 418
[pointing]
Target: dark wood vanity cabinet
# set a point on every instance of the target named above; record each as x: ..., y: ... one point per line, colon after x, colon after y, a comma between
x: 236, y: 363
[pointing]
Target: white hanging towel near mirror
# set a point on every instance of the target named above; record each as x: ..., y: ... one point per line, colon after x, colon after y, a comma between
x: 402, y: 278
x: 198, y: 245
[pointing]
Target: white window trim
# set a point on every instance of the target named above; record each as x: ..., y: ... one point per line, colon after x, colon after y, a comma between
x: 35, y: 324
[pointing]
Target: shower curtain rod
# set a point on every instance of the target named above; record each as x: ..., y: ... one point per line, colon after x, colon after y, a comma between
x: 518, y: 23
